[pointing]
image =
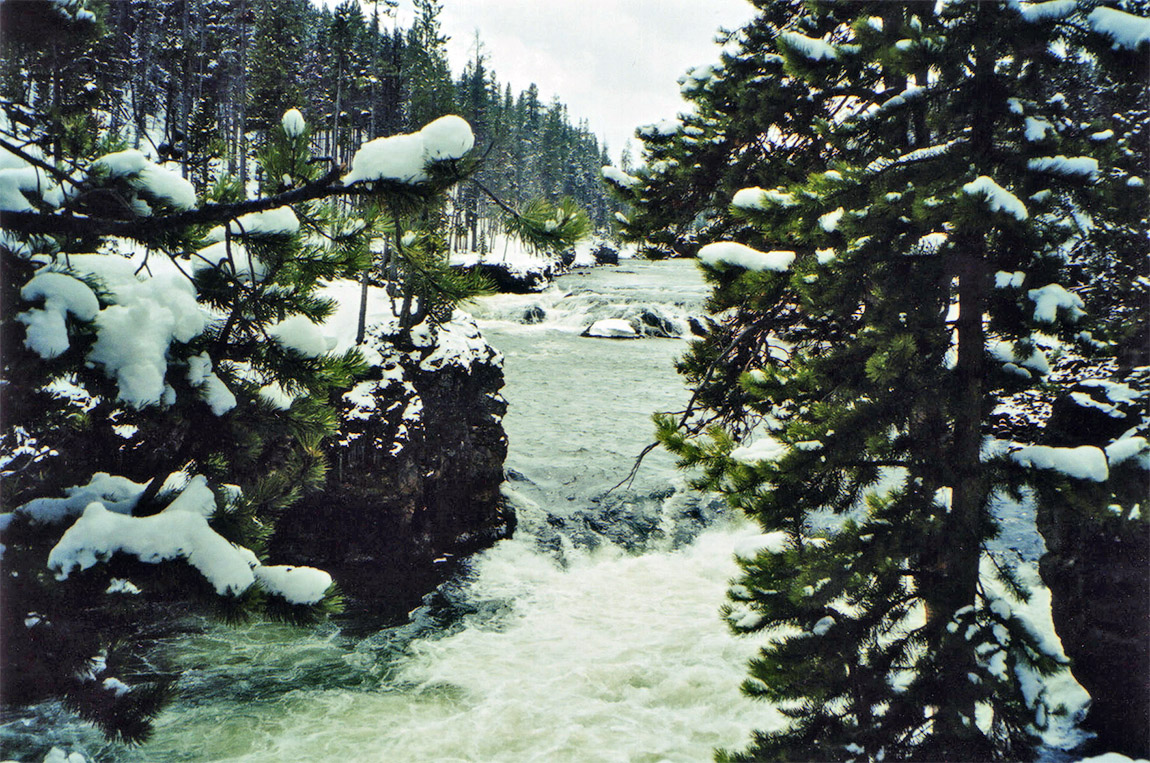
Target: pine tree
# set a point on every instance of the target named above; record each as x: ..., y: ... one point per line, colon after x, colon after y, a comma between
x: 907, y: 274
x: 426, y: 72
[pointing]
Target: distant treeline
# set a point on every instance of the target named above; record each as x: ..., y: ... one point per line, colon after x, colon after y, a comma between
x: 199, y: 81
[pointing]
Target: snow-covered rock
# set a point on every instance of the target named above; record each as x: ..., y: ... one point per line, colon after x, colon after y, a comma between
x: 611, y: 328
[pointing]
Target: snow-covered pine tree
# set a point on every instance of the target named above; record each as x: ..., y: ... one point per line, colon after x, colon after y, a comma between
x: 898, y: 291
x: 168, y: 388
x: 169, y: 405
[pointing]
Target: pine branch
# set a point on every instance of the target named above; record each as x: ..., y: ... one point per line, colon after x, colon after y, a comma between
x: 145, y: 227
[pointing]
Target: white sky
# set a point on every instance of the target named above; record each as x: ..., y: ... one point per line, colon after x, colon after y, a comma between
x: 614, y: 63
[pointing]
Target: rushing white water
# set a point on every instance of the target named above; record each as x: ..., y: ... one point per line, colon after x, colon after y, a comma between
x: 606, y: 656
x: 587, y: 652
x: 613, y: 658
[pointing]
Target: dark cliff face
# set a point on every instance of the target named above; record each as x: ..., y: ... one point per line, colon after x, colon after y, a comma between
x: 414, y: 480
x: 1097, y: 567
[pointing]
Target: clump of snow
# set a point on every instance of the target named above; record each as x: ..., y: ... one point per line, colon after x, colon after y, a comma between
x: 698, y: 78
x: 620, y: 178
x: 830, y: 221
x: 930, y: 243
x: 1125, y: 29
x: 134, y: 334
x: 1052, y: 9
x: 823, y: 625
x: 763, y: 449
x: 757, y: 198
x: 1050, y: 299
x: 195, y: 497
x: 815, y: 50
x: 612, y: 328
x: 147, y: 177
x: 1065, y: 165
x: 166, y: 536
x: 118, y: 494
x: 298, y: 333
x: 1083, y: 463
x: 722, y: 253
x: 293, y: 123
x: 276, y: 396
x: 1006, y: 353
x: 997, y: 198
x: 57, y: 755
x: 122, y: 586
x: 772, y: 543
x: 280, y: 221
x: 1036, y: 129
x: 122, y: 163
x: 825, y: 256
x: 1007, y: 280
x: 47, y: 333
x: 18, y: 177
x: 296, y: 585
x: 212, y: 388
x: 448, y: 137
x: 404, y: 158
x: 664, y: 128
x: 1126, y: 448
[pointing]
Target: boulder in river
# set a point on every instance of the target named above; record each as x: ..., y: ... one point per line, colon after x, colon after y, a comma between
x: 611, y: 328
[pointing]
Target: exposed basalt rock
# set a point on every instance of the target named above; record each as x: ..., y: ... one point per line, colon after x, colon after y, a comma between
x: 605, y: 254
x: 1098, y: 569
x: 414, y: 478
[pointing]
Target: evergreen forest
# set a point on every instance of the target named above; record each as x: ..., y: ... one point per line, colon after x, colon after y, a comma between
x: 297, y: 463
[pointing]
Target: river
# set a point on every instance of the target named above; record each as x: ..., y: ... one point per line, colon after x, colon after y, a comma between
x: 593, y: 635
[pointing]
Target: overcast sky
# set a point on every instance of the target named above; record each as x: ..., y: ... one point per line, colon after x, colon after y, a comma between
x: 614, y: 63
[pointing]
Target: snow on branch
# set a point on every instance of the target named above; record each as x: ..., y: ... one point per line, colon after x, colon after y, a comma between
x: 997, y: 198
x: 732, y: 253
x: 179, y: 532
x: 404, y: 158
x: 1125, y: 29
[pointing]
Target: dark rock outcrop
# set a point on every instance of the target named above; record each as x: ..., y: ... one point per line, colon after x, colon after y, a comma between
x: 1097, y: 567
x: 414, y: 478
x: 513, y: 280
x: 605, y: 254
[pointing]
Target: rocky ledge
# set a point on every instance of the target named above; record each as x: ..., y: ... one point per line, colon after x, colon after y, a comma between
x: 415, y: 473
